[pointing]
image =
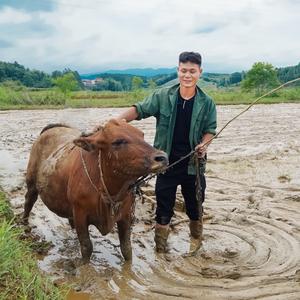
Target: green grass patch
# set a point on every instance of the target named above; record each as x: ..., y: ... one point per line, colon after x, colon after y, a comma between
x: 19, y: 274
x: 11, y: 98
x: 233, y: 96
x: 53, y: 99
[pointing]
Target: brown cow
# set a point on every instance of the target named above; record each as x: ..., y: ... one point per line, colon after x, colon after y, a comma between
x: 86, y: 179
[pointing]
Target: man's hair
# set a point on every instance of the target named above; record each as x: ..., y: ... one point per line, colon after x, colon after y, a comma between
x: 193, y: 57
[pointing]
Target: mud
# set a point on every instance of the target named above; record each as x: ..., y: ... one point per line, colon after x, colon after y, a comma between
x: 251, y: 247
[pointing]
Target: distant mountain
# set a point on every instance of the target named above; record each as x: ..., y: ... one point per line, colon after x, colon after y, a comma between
x: 146, y: 72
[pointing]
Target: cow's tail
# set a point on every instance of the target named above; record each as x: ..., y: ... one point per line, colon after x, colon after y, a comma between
x: 53, y: 126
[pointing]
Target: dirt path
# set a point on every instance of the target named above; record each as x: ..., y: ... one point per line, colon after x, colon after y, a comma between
x: 252, y: 232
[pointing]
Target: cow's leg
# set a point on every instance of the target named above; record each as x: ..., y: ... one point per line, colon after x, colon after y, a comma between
x: 71, y: 222
x: 30, y: 198
x: 81, y: 226
x: 124, y: 231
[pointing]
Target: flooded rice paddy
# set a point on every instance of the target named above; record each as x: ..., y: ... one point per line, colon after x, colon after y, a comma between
x: 251, y: 247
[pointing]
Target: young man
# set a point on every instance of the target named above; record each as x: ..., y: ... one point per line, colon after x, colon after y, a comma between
x: 185, y: 120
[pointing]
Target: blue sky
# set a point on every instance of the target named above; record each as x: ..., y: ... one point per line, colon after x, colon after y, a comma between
x: 96, y: 35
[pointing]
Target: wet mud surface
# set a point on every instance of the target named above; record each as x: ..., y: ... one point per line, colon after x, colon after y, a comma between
x: 251, y: 247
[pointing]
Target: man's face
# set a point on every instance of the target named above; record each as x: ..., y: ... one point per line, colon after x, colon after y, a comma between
x: 188, y: 74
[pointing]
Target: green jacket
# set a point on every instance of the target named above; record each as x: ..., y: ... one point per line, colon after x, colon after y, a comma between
x: 162, y: 105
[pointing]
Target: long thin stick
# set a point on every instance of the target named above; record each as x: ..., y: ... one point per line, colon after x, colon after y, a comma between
x: 254, y: 102
x: 215, y: 136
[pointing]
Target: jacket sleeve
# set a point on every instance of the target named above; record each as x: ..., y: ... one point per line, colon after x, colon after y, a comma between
x: 210, y: 125
x: 148, y: 107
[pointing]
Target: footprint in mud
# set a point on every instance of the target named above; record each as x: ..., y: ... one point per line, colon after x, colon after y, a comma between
x: 284, y: 178
x: 214, y: 273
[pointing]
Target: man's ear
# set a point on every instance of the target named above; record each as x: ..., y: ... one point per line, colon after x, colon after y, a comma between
x: 85, y: 143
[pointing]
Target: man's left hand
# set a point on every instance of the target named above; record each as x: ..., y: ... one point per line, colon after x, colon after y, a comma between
x: 201, y: 149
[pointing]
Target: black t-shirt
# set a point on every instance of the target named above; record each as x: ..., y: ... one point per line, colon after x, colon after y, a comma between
x: 181, y: 144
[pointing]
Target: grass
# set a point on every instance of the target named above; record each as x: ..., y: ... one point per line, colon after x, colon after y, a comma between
x: 233, y: 96
x: 19, y: 274
x: 52, y: 99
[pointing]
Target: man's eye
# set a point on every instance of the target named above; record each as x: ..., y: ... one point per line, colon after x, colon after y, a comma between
x: 119, y: 142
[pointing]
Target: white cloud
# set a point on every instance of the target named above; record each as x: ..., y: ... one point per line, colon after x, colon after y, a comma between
x: 101, y: 34
x: 9, y: 15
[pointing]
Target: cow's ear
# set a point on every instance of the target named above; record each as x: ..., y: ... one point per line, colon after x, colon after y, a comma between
x: 85, y: 143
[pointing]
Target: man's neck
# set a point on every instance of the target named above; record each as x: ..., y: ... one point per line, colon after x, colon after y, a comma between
x: 187, y: 93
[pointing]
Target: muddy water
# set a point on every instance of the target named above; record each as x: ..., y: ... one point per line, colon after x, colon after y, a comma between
x: 252, y: 229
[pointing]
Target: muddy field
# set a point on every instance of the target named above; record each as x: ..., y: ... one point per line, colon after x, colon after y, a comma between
x: 252, y: 223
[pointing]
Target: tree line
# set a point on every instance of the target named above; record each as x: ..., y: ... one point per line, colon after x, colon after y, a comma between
x: 259, y: 77
x: 34, y: 78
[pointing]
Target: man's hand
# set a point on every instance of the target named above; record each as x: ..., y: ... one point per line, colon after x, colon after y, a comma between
x: 201, y: 150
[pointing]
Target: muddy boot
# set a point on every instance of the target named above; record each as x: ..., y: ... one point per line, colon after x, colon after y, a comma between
x: 196, y: 228
x: 161, y: 236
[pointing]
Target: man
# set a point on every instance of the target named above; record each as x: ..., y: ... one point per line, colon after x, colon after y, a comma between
x: 185, y: 120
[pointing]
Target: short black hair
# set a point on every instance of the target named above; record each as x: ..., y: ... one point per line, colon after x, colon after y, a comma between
x: 193, y: 57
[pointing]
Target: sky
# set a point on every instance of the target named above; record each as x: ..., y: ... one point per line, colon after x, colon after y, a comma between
x: 98, y: 35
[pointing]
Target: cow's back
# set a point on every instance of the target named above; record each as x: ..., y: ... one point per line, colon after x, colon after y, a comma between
x: 48, y: 166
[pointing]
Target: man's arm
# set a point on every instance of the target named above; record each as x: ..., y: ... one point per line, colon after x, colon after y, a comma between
x: 129, y: 115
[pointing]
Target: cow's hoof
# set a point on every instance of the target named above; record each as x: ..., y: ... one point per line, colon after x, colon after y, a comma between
x: 85, y: 260
x: 127, y: 253
x: 24, y: 222
x: 86, y: 252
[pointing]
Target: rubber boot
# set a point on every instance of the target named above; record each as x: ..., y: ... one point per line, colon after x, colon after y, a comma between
x: 196, y: 228
x: 160, y: 238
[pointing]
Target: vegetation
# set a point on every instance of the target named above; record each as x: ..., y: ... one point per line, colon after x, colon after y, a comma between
x: 32, y: 78
x: 17, y: 72
x: 19, y: 274
x: 261, y: 77
x: 66, y: 83
x: 65, y: 88
x: 12, y: 94
x: 136, y: 83
x: 289, y: 73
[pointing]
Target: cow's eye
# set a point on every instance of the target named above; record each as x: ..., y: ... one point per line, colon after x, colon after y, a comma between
x: 119, y: 142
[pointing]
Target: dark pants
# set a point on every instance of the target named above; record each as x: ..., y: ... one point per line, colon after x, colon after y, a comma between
x: 165, y: 190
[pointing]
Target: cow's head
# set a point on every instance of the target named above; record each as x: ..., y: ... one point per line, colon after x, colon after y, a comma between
x: 123, y: 149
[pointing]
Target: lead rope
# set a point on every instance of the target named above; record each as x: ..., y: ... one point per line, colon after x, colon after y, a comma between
x: 87, y: 173
x: 199, y: 201
x: 114, y: 205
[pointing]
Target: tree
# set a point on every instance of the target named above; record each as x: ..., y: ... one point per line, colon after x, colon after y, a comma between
x: 136, y: 83
x: 66, y: 83
x: 260, y: 77
x: 235, y: 77
x: 151, y: 84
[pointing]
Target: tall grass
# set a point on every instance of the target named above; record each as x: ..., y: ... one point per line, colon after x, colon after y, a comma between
x: 11, y: 97
x: 19, y: 274
x: 237, y: 96
x: 51, y: 98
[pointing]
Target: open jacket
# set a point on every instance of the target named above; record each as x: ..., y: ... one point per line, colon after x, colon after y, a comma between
x: 162, y: 105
